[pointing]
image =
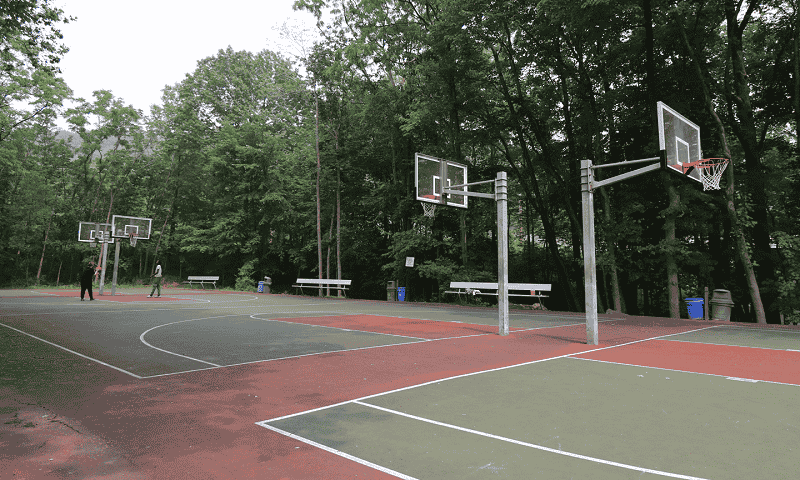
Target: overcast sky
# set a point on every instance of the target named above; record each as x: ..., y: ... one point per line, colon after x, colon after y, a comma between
x: 136, y: 48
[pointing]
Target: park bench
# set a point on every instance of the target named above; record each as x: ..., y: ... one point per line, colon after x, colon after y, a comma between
x: 202, y: 281
x: 322, y: 282
x: 487, y: 288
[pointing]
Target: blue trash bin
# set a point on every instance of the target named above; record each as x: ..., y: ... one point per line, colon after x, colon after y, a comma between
x: 695, y: 306
x: 401, y: 294
x: 260, y: 287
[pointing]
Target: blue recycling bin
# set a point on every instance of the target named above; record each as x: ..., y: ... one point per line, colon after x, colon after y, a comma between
x: 260, y: 287
x: 695, y: 306
x: 401, y: 294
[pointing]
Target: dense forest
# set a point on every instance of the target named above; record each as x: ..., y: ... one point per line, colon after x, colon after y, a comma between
x: 270, y: 164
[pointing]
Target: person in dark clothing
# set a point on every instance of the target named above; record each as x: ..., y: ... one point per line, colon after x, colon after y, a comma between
x: 87, y: 277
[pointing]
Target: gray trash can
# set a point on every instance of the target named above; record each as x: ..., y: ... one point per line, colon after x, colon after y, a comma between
x: 263, y: 286
x: 391, y: 291
x: 721, y: 305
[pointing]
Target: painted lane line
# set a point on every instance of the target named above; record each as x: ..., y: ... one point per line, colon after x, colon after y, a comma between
x: 749, y: 380
x: 74, y: 352
x: 253, y: 316
x: 531, y: 445
x: 729, y: 345
x: 341, y: 454
x: 410, y: 387
x: 284, y: 358
x: 141, y: 337
x: 687, y: 371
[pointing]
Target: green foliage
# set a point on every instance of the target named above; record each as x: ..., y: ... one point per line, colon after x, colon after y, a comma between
x: 245, y: 280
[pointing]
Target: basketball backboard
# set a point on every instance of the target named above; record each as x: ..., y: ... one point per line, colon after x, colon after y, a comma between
x: 427, y: 171
x: 91, y: 232
x: 680, y: 139
x: 123, y: 226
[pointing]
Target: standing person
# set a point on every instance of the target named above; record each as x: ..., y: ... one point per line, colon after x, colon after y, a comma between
x: 87, y: 277
x: 156, y: 280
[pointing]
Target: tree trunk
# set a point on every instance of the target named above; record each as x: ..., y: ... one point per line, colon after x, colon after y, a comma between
x: 730, y: 207
x: 319, y: 220
x: 44, y: 246
x: 670, y: 244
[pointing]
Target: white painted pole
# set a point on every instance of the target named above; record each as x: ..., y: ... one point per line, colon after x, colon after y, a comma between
x: 501, y: 195
x: 116, y: 269
x: 589, y: 267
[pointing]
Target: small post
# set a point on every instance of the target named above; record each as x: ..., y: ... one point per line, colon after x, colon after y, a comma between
x: 705, y: 304
x: 116, y: 269
x: 589, y: 267
x: 501, y: 196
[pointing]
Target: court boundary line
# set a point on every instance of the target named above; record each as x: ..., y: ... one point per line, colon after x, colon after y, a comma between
x: 253, y: 316
x: 141, y: 337
x: 342, y: 454
x: 728, y: 345
x: 455, y: 377
x: 726, y: 377
x: 74, y: 352
x: 349, y: 350
x: 530, y: 445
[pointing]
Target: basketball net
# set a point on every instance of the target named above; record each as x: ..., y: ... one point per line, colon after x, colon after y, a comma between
x: 132, y: 237
x: 429, y: 209
x: 711, y: 170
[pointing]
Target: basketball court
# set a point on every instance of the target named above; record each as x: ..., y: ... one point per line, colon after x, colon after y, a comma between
x: 240, y: 385
x: 208, y: 384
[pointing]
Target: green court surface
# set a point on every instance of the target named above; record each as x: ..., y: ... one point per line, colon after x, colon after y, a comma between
x: 744, y: 337
x: 568, y: 418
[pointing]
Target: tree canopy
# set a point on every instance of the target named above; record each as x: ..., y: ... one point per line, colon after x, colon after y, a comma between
x: 226, y: 166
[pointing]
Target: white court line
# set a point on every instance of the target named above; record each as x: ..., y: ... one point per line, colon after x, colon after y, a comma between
x: 341, y: 453
x: 751, y: 380
x: 253, y: 316
x: 531, y: 445
x: 286, y: 358
x: 468, y: 375
x: 141, y: 337
x: 731, y: 345
x: 74, y: 352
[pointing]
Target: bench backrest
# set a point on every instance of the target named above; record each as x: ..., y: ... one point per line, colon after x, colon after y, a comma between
x: 203, y: 278
x: 544, y: 287
x: 324, y: 281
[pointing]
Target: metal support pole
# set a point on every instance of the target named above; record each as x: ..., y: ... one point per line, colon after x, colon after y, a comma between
x: 501, y: 195
x: 116, y: 269
x: 105, y: 262
x: 589, y: 267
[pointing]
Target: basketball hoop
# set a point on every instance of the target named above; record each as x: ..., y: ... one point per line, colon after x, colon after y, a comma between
x: 429, y: 209
x: 711, y: 170
x: 132, y: 236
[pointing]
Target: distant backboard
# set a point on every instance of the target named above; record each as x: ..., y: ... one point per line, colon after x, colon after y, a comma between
x: 680, y: 138
x: 429, y: 185
x: 94, y: 232
x: 123, y: 226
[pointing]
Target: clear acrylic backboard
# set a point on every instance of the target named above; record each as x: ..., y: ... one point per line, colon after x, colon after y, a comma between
x: 427, y: 171
x: 123, y: 226
x: 680, y: 139
x: 91, y: 232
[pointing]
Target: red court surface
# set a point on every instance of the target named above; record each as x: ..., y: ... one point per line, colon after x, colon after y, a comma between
x: 730, y: 361
x: 202, y: 424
